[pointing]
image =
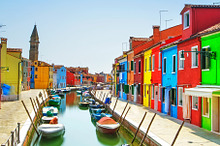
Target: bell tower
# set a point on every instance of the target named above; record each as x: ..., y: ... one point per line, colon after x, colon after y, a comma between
x: 34, y: 43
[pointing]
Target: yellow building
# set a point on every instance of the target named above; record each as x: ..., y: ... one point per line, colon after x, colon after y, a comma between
x: 147, y: 78
x: 43, y: 75
x: 10, y: 71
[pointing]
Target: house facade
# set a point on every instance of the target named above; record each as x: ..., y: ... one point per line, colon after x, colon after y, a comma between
x: 26, y: 73
x: 61, y: 75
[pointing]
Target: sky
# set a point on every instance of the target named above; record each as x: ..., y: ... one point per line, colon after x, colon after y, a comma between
x: 85, y: 33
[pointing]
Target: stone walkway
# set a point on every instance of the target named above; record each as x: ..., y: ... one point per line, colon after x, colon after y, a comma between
x: 12, y: 112
x: 165, y: 127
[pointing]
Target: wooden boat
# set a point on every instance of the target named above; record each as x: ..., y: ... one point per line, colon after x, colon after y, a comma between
x: 95, y: 105
x: 107, y: 125
x: 51, y: 130
x: 52, y: 110
x: 98, y: 116
x: 84, y: 104
x: 47, y: 119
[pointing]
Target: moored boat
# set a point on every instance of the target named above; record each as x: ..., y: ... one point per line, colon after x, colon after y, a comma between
x: 84, y: 104
x: 55, y: 101
x: 107, y: 125
x: 51, y: 109
x: 51, y: 130
x: 47, y: 119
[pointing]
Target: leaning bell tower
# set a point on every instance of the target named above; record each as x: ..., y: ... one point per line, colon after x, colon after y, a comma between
x: 34, y: 43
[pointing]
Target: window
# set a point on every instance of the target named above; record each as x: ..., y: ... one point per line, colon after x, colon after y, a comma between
x: 159, y: 61
x: 153, y: 57
x: 139, y: 88
x: 180, y: 94
x: 35, y: 76
x: 159, y: 92
x: 134, y: 67
x: 186, y: 19
x: 152, y: 92
x: 205, y: 106
x: 164, y: 65
x: 163, y: 94
x: 194, y: 57
x: 174, y: 63
x: 181, y: 62
x: 205, y: 59
x: 145, y: 64
x: 173, y: 96
x: 195, y: 102
x: 139, y: 66
x: 36, y: 69
x: 128, y: 66
x: 149, y: 69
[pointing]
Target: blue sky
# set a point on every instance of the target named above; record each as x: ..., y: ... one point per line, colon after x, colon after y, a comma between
x: 85, y: 33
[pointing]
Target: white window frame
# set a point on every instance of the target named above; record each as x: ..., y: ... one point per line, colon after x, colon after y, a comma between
x: 153, y: 62
x: 163, y: 65
x: 159, y: 61
x: 181, y: 68
x: 193, y: 103
x: 158, y: 95
x: 184, y: 20
x: 173, y: 64
x: 194, y: 48
x: 180, y: 88
x: 203, y: 108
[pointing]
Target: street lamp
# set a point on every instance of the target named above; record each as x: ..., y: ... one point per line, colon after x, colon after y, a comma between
x: 209, y: 54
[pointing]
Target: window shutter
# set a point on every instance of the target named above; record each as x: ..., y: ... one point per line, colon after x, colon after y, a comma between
x: 126, y: 89
x: 128, y: 66
x: 132, y: 65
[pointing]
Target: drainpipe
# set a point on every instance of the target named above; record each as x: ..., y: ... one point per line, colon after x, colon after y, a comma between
x: 18, y: 88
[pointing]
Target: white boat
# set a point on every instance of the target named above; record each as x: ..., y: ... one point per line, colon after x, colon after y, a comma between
x: 51, y: 130
x: 48, y: 119
x: 52, y: 109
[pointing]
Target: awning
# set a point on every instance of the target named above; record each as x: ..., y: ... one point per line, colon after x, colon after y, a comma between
x: 203, y: 92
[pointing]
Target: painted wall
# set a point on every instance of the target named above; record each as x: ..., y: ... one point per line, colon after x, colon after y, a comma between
x: 169, y: 80
x: 32, y: 77
x: 147, y: 79
x: 61, y: 77
x: 206, y: 121
x: 123, y: 80
x: 130, y: 80
x: 41, y: 77
x: 211, y: 76
x: 54, y: 79
x: 70, y: 79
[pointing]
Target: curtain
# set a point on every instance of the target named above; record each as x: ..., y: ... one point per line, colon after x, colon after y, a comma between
x: 186, y: 106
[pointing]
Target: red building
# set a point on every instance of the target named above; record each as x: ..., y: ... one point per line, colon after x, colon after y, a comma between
x: 195, y: 18
x: 70, y: 79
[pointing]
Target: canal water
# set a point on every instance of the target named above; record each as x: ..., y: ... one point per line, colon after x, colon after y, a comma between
x: 80, y: 130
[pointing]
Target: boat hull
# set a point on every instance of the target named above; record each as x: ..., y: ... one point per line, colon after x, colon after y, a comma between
x: 107, y: 129
x: 51, y: 130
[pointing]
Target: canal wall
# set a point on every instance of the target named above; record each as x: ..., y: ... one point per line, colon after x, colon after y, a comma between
x: 130, y: 125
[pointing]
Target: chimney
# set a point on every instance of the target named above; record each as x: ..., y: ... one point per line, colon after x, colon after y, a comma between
x: 156, y: 33
x: 4, y: 40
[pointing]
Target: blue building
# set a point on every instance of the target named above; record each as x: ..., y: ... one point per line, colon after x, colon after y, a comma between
x: 60, y: 70
x: 169, y: 80
x: 32, y: 78
x: 123, y: 78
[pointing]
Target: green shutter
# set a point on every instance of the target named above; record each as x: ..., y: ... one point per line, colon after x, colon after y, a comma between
x: 132, y: 65
x: 128, y: 66
x: 132, y: 86
x: 126, y: 87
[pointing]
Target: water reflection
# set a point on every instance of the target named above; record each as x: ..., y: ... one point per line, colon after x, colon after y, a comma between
x: 108, y: 139
x: 62, y: 107
x: 71, y: 99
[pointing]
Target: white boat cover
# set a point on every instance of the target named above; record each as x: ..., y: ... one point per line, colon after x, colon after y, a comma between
x: 45, y: 118
x: 203, y: 92
x: 51, y: 130
x: 108, y: 126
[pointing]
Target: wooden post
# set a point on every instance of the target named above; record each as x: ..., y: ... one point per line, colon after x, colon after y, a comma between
x: 174, y: 140
x: 38, y: 104
x: 30, y: 118
x: 114, y: 106
x: 123, y: 112
x: 44, y: 103
x: 19, y: 124
x: 35, y: 111
x: 103, y: 97
x: 110, y: 100
x: 138, y: 128
x: 100, y: 95
x: 148, y: 128
x: 12, y: 138
x: 123, y: 118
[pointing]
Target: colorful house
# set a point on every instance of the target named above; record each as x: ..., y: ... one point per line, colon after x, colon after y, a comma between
x: 61, y: 75
x: 54, y: 79
x: 70, y: 79
x: 32, y: 86
x: 11, y: 72
x: 42, y: 75
x: 123, y: 77
x: 130, y: 73
x: 26, y: 73
x: 195, y: 18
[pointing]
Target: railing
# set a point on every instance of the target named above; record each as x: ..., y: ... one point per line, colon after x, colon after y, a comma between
x: 14, y: 138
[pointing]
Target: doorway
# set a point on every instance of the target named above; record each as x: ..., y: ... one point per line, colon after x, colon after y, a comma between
x: 156, y: 98
x: 215, y: 114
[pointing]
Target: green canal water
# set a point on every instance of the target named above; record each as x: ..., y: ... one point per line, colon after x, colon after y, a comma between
x: 80, y: 130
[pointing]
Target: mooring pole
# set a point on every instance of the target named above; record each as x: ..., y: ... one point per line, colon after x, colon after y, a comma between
x: 138, y: 128
x: 35, y: 111
x: 148, y: 128
x: 174, y: 140
x: 123, y: 112
x: 36, y: 106
x: 123, y: 118
x: 30, y: 118
x: 100, y: 95
x: 19, y: 124
x: 12, y: 138
x: 101, y: 99
x: 39, y: 105
x: 114, y: 106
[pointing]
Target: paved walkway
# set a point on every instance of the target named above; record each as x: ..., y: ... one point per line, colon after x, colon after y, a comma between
x: 12, y: 112
x: 165, y: 127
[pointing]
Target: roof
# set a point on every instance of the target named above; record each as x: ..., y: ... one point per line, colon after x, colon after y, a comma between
x: 14, y: 50
x: 34, y: 35
x: 213, y: 28
x: 43, y: 64
x: 199, y: 6
x: 139, y: 39
x: 58, y: 66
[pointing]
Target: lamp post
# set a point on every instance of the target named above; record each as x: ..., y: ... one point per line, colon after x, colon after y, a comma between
x: 209, y: 54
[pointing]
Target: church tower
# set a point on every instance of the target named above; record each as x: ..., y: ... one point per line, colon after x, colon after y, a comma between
x: 34, y: 43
